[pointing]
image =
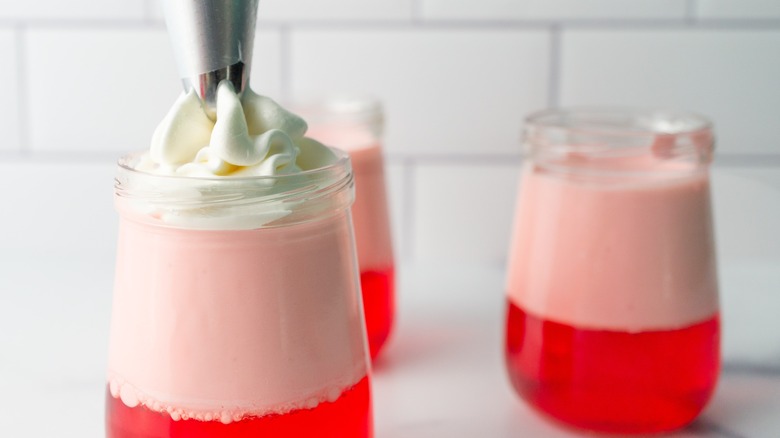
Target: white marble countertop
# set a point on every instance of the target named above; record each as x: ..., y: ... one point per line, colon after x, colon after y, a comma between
x: 441, y: 376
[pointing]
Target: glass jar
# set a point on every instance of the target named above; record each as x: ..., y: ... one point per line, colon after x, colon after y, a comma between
x: 236, y: 307
x: 355, y: 124
x: 613, y: 315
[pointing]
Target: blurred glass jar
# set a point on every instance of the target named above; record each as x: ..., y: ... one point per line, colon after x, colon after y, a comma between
x: 613, y: 315
x: 355, y: 124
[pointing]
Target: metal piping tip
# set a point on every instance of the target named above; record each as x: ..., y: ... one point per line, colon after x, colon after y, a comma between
x: 212, y: 41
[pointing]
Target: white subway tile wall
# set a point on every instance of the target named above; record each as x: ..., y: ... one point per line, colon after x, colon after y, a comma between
x: 321, y: 11
x: 10, y: 122
x: 100, y: 90
x: 739, y: 9
x: 553, y: 9
x: 445, y: 91
x: 746, y: 206
x: 342, y: 10
x: 57, y: 10
x: 88, y: 80
x: 58, y: 209
x: 395, y: 174
x: 266, y: 73
x: 463, y: 212
x: 154, y: 9
x: 732, y: 76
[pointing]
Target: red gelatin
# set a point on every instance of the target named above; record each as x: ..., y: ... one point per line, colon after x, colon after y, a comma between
x: 347, y: 417
x: 613, y: 381
x: 379, y: 307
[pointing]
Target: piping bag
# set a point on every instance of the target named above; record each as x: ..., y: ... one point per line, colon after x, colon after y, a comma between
x: 212, y: 41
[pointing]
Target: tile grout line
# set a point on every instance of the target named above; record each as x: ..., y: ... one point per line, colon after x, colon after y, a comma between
x: 606, y: 24
x: 142, y: 22
x: 59, y: 157
x: 595, y: 23
x: 285, y: 63
x: 408, y: 217
x: 554, y: 65
x: 20, y: 33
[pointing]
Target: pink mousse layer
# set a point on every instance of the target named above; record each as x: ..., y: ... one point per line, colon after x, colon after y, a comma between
x: 370, y: 213
x: 627, y: 254
x: 222, y: 324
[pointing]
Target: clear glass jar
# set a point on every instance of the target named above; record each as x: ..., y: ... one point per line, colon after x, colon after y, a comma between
x: 613, y: 315
x: 355, y: 124
x: 236, y: 307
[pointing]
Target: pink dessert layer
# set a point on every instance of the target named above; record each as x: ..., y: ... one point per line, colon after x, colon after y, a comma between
x: 228, y: 324
x: 629, y: 253
x: 370, y: 213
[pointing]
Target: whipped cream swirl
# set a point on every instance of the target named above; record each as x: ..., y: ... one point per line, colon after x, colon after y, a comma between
x: 247, y: 168
x: 251, y: 136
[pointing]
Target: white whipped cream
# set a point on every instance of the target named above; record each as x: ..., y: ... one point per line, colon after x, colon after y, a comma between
x: 195, y: 173
x: 251, y: 136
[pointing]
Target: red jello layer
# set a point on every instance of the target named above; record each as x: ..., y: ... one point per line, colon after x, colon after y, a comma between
x: 348, y: 417
x: 379, y: 306
x: 612, y: 381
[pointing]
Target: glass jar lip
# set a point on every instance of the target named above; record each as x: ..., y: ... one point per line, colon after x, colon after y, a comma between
x: 619, y: 141
x: 342, y: 163
x: 340, y: 108
x: 352, y: 104
x: 620, y: 121
x: 233, y: 203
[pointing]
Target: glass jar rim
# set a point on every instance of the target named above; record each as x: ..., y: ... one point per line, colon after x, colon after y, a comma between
x: 242, y: 202
x: 612, y: 141
x: 341, y: 107
x: 620, y: 121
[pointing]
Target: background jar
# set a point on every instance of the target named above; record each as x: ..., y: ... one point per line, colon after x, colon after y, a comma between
x: 613, y: 321
x: 355, y: 124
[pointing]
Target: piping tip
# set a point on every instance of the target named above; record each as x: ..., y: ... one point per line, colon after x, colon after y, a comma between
x: 212, y: 41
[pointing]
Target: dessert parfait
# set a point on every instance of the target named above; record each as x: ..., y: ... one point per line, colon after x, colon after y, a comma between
x: 613, y: 317
x: 355, y: 125
x: 237, y: 309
